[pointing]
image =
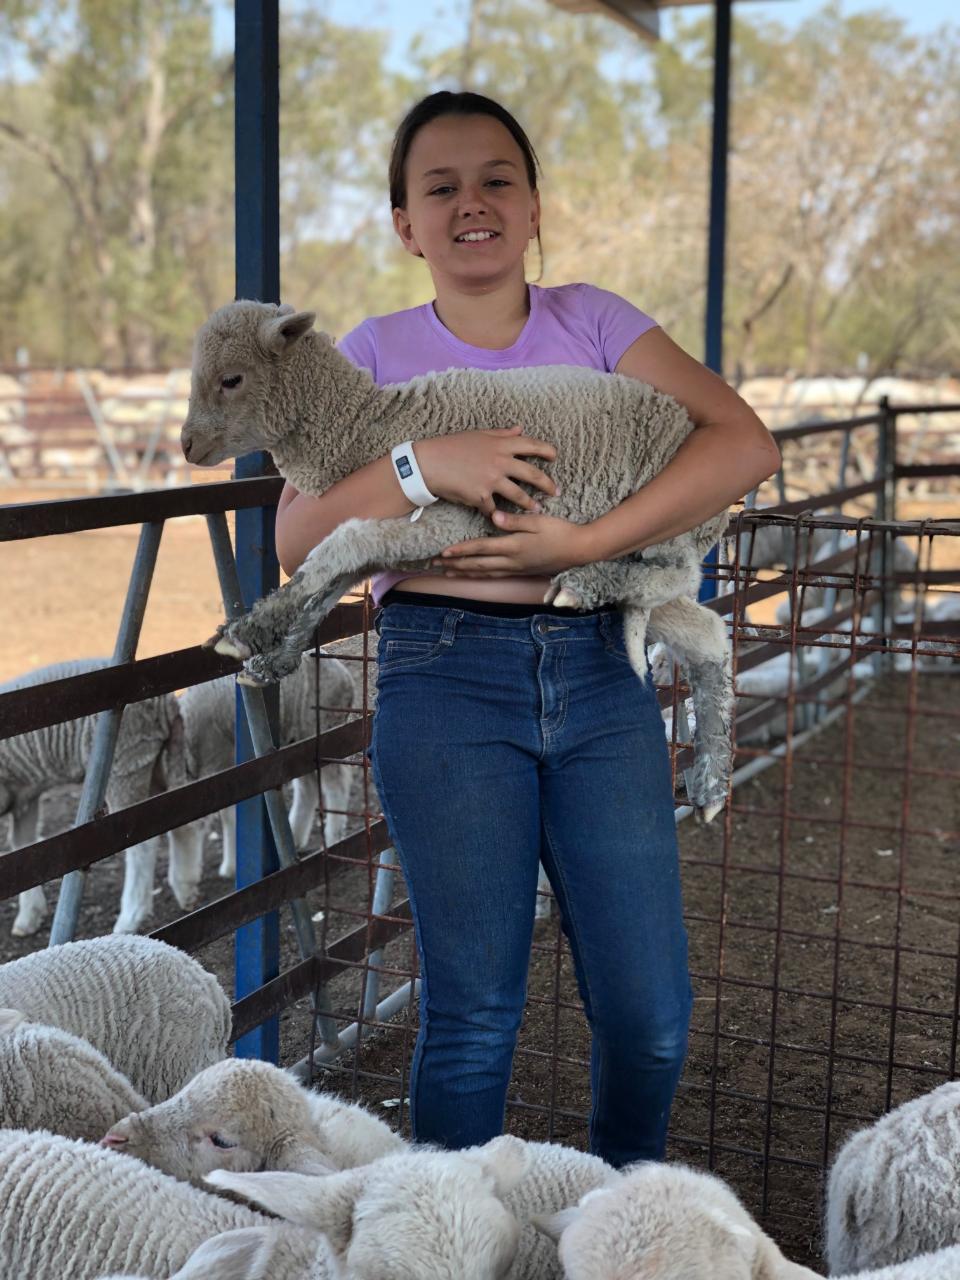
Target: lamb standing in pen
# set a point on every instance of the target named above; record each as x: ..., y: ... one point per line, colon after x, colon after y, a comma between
x: 208, y: 712
x: 52, y: 1080
x: 145, y: 762
x: 262, y: 380
x: 152, y: 1011
x: 72, y: 1210
x: 241, y: 1114
x: 667, y: 1222
x: 893, y: 1190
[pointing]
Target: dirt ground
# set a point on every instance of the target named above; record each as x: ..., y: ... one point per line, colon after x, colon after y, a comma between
x: 792, y: 1047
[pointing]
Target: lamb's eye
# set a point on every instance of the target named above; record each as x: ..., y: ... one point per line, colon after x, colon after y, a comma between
x: 221, y: 1143
x: 229, y: 383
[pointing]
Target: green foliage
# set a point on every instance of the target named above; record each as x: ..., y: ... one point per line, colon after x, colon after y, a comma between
x: 116, y: 174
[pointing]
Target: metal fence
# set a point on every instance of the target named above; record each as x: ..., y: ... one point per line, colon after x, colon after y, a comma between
x: 824, y: 911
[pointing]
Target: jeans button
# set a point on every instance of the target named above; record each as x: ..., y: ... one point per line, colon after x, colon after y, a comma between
x: 541, y: 628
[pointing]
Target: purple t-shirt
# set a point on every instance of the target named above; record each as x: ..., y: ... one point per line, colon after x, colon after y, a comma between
x: 574, y: 324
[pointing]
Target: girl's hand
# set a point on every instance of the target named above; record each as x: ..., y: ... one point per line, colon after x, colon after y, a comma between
x: 471, y: 466
x: 535, y: 545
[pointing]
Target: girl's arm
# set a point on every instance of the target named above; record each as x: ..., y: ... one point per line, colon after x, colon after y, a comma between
x: 468, y: 467
x: 728, y: 454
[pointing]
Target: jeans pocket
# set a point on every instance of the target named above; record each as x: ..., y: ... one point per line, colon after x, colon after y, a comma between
x: 394, y: 654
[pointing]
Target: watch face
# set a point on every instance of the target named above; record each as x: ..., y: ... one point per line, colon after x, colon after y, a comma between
x: 404, y: 468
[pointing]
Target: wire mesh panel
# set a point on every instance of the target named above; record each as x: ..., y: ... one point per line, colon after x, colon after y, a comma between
x: 823, y: 909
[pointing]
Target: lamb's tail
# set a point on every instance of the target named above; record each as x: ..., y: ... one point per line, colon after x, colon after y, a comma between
x: 697, y: 638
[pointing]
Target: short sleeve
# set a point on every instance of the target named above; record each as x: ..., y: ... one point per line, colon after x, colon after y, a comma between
x: 615, y: 322
x: 360, y: 347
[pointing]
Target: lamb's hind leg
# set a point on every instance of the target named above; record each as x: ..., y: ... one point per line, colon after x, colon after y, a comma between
x: 272, y: 636
x: 698, y: 639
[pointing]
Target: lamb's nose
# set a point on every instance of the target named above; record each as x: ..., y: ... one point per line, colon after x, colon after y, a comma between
x: 186, y: 442
x: 114, y: 1140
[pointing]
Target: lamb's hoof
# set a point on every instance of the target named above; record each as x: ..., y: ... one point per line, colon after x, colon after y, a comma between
x: 129, y: 924
x: 187, y: 895
x: 253, y: 680
x: 26, y: 927
x: 211, y: 642
x: 233, y: 648
x: 708, y: 812
x: 226, y: 871
x: 565, y: 599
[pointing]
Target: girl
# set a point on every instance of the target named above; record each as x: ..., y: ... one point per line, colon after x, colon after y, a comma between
x: 508, y: 732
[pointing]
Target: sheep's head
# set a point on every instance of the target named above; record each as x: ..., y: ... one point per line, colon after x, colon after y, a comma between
x: 237, y: 354
x: 420, y: 1215
x: 239, y: 1114
x: 664, y: 1223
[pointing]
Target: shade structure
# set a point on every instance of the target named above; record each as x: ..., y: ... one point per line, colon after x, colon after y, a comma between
x: 642, y: 17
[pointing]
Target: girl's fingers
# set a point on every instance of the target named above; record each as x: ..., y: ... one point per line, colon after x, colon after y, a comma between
x: 513, y: 493
x: 527, y: 446
x: 530, y: 474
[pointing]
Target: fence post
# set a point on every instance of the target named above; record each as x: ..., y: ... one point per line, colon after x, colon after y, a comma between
x: 257, y: 204
x: 886, y: 509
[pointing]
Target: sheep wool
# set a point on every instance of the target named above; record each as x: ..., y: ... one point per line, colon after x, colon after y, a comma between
x: 893, y: 1191
x: 34, y: 762
x: 74, y: 1210
x: 52, y: 1080
x: 236, y: 1255
x: 208, y: 712
x: 152, y: 1011
x: 322, y: 418
x: 668, y: 1222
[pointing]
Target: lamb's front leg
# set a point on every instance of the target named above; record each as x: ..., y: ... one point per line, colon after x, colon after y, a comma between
x: 276, y: 631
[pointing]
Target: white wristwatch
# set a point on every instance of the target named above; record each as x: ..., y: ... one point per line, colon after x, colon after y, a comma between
x: 410, y: 477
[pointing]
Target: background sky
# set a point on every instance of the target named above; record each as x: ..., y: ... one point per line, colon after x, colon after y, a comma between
x: 447, y: 20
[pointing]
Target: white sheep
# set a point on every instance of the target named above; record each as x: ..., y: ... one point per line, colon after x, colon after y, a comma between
x: 69, y: 1209
x: 415, y: 1215
x: 893, y: 1190
x: 152, y: 1011
x: 145, y: 762
x: 262, y: 380
x: 242, y: 1114
x: 50, y: 1079
x: 208, y: 712
x: 668, y: 1222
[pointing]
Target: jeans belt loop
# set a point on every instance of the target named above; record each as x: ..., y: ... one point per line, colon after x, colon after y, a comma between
x: 450, y: 621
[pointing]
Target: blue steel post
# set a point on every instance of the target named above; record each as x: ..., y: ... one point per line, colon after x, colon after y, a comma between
x: 257, y: 185
x: 717, y: 240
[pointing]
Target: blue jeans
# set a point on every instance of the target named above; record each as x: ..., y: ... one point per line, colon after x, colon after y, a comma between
x: 499, y: 742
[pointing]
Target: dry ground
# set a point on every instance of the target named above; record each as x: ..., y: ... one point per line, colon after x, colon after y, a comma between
x: 822, y: 993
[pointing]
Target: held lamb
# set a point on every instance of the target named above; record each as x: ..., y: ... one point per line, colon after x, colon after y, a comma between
x: 667, y: 1222
x: 72, y: 1210
x: 208, y: 712
x: 52, y: 1080
x: 151, y: 1010
x: 263, y: 380
x: 144, y: 764
x: 893, y: 1190
x: 240, y: 1115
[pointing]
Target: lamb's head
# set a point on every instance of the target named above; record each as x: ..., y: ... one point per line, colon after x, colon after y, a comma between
x: 664, y: 1222
x: 239, y: 1114
x: 418, y: 1215
x: 238, y: 358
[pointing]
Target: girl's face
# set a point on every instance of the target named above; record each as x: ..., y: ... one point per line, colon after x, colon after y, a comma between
x: 470, y: 210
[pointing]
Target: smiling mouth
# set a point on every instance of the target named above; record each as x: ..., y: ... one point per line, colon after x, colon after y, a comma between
x: 476, y: 237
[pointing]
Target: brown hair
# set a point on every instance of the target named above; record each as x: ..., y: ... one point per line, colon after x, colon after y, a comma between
x: 446, y: 103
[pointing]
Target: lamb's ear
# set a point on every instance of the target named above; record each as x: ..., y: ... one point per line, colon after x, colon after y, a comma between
x: 279, y: 333
x: 555, y: 1224
x: 10, y: 1019
x: 506, y: 1158
x: 235, y: 1255
x: 299, y: 1155
x: 323, y: 1204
